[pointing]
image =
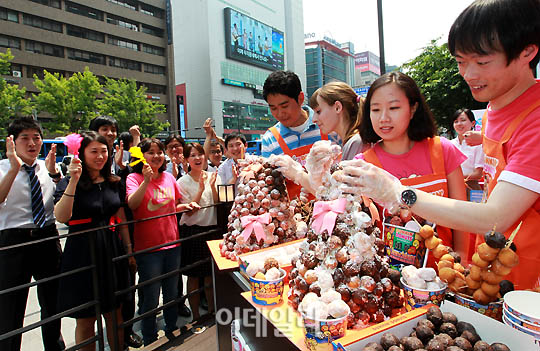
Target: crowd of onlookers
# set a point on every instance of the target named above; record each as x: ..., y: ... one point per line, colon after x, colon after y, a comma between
x: 107, y: 185
x: 392, y: 129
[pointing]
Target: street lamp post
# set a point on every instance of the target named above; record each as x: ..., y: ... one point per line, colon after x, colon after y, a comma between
x: 382, y: 64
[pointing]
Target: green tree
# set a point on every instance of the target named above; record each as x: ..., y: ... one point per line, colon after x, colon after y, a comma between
x: 129, y: 106
x: 13, y: 100
x: 72, y: 102
x: 436, y: 73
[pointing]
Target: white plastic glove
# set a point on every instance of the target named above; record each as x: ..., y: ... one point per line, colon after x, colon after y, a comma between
x: 319, y: 160
x: 359, y: 177
x: 290, y: 168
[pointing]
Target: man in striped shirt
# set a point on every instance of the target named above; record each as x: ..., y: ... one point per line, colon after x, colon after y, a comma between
x: 295, y: 132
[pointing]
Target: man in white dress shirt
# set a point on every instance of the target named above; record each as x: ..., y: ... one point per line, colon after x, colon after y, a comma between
x: 27, y: 186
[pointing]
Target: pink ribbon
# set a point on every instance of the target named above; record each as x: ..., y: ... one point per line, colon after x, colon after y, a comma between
x: 254, y: 223
x: 325, y: 214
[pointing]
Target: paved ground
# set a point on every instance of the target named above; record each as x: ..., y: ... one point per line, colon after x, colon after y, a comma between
x: 192, y: 342
x: 31, y: 340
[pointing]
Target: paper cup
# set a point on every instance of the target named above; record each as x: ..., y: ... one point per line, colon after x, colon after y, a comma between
x: 493, y: 309
x: 403, y: 246
x: 420, y: 297
x: 510, y: 323
x: 524, y: 305
x: 267, y: 292
x: 533, y: 328
x: 324, y: 330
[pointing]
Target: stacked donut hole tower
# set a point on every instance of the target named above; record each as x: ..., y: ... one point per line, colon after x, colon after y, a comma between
x: 451, y: 270
x: 484, y: 280
x: 492, y: 260
x: 265, y: 192
x: 440, y: 331
x: 348, y: 263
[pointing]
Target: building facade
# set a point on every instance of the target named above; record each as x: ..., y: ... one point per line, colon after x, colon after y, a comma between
x: 113, y: 38
x: 366, y: 68
x: 328, y: 61
x: 224, y: 51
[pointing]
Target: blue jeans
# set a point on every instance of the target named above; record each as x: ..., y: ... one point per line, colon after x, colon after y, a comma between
x: 151, y: 265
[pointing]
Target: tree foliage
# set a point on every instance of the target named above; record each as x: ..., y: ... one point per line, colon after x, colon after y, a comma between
x: 13, y: 102
x: 129, y: 105
x: 71, y: 101
x: 436, y: 73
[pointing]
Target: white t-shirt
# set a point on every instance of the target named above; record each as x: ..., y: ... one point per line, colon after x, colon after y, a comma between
x: 188, y: 189
x: 475, y: 156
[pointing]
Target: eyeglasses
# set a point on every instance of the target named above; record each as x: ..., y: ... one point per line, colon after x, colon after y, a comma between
x: 216, y: 151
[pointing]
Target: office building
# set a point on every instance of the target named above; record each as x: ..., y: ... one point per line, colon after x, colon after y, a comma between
x: 327, y: 61
x: 224, y: 51
x: 366, y: 69
x: 113, y: 38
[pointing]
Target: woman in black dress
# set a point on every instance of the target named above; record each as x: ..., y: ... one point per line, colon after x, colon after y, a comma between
x: 92, y: 197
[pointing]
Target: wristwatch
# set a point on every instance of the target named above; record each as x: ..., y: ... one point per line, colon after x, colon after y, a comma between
x: 408, y: 197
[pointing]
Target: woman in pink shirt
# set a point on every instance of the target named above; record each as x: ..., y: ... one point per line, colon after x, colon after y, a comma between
x: 400, y: 124
x: 153, y: 192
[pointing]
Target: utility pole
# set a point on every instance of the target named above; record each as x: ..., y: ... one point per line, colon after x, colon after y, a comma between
x: 381, y: 37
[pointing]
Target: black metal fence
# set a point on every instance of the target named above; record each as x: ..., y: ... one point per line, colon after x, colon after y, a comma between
x: 222, y: 210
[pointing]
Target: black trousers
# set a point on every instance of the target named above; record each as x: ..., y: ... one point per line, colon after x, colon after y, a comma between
x: 17, y: 267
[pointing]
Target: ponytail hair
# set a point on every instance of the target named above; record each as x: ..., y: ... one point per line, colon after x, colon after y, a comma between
x: 352, y: 103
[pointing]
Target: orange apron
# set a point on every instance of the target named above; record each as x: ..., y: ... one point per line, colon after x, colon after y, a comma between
x: 435, y: 183
x: 298, y: 154
x: 526, y: 275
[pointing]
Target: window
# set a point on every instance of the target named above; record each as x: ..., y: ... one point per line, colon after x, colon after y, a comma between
x: 8, y: 15
x: 154, y: 69
x: 123, y: 43
x: 154, y: 50
x: 16, y: 68
x: 126, y: 3
x: 9, y: 42
x: 123, y: 63
x: 152, y: 31
x: 84, y: 10
x: 38, y: 71
x: 153, y: 88
x: 151, y: 10
x: 122, y: 22
x: 51, y: 3
x: 80, y: 55
x: 43, y: 23
x: 85, y: 33
x: 43, y: 48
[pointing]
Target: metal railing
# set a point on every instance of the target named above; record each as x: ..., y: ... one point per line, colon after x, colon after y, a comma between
x: 96, y: 283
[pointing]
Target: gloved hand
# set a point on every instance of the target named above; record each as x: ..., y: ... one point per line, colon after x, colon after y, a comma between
x: 290, y: 168
x: 359, y: 177
x: 319, y: 160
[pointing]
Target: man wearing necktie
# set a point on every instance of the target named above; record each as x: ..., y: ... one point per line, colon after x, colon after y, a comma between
x: 26, y: 214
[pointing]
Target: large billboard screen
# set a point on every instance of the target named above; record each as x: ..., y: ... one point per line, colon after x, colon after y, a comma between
x: 253, y: 42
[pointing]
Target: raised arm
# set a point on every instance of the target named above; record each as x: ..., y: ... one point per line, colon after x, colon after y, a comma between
x: 15, y: 163
x: 64, y: 208
x: 135, y: 198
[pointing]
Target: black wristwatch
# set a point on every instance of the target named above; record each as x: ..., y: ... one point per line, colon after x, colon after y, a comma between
x: 55, y: 175
x: 408, y: 197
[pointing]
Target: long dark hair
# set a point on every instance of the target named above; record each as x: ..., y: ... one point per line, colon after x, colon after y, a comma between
x: 85, y: 182
x: 145, y: 145
x: 422, y: 124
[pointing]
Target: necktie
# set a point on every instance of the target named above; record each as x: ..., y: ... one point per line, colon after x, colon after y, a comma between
x: 38, y: 209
